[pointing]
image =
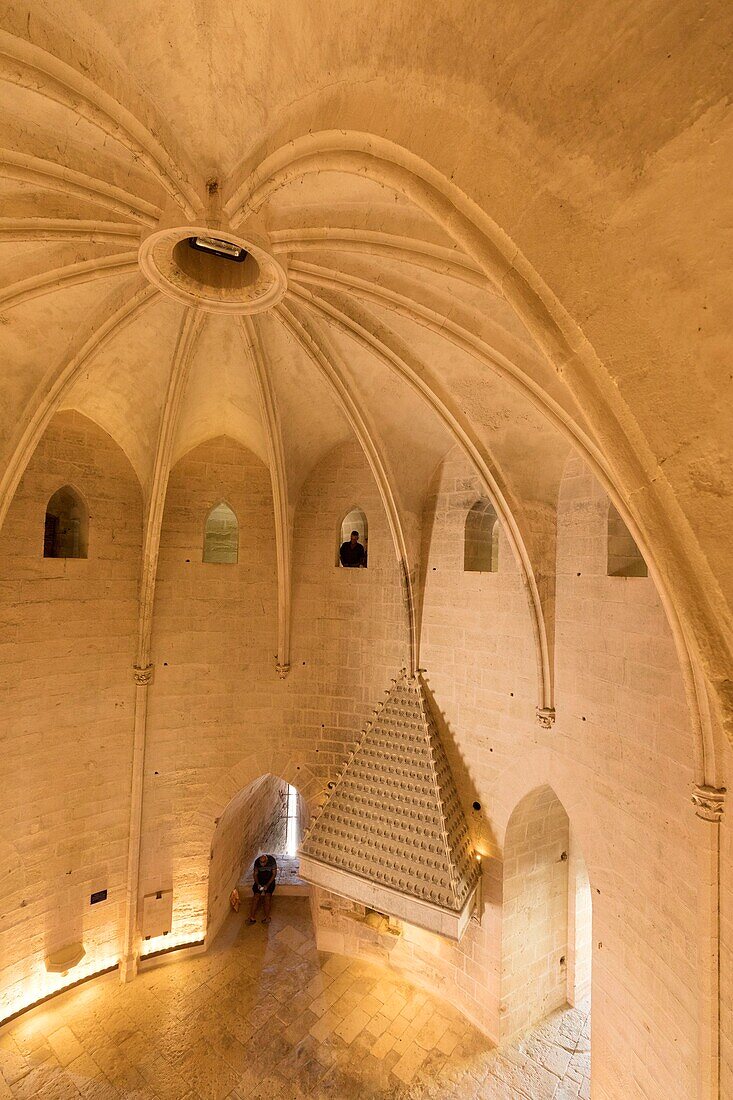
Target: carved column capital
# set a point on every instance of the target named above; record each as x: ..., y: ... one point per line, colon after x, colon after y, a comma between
x: 546, y: 717
x: 282, y: 670
x: 142, y: 676
x: 708, y: 802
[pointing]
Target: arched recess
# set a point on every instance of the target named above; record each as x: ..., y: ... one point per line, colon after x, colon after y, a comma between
x: 254, y: 820
x: 221, y: 535
x: 91, y: 734
x: 315, y: 341
x: 546, y: 914
x: 691, y: 594
x: 187, y: 865
x: 367, y: 331
x: 481, y: 539
x: 66, y: 525
x: 354, y: 520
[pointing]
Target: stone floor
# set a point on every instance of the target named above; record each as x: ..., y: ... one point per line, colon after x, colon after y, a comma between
x: 263, y: 1015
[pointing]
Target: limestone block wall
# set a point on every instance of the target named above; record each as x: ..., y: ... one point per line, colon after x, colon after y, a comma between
x: 215, y: 695
x: 535, y: 911
x: 252, y: 821
x: 619, y: 759
x: 349, y: 636
x: 219, y: 717
x: 623, y: 720
x: 68, y: 636
x: 478, y: 650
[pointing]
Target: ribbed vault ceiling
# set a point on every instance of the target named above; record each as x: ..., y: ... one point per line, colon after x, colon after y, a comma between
x: 119, y: 120
x: 77, y: 198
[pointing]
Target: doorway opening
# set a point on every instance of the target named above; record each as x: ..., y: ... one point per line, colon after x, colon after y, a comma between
x: 266, y: 817
x: 547, y: 915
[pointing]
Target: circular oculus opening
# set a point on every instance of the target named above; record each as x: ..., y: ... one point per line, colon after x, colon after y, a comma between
x: 213, y: 271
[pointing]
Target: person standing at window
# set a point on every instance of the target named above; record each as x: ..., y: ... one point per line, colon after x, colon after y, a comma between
x: 352, y: 554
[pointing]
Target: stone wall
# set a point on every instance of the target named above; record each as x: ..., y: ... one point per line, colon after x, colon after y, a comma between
x: 350, y: 635
x: 619, y: 759
x: 219, y: 716
x: 623, y: 722
x: 68, y: 647
x: 214, y: 697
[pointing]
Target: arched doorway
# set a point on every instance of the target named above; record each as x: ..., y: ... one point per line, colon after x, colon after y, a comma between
x: 268, y: 815
x: 547, y: 914
x: 66, y: 526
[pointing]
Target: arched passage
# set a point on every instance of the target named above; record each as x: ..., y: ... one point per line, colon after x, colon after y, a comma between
x: 66, y: 525
x: 547, y: 914
x: 269, y: 815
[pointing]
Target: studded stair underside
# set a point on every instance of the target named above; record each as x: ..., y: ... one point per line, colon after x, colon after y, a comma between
x: 393, y: 834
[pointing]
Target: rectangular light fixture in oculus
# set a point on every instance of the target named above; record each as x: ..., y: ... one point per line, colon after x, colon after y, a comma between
x: 225, y: 250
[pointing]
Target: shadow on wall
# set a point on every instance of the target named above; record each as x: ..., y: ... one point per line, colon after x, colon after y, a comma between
x: 624, y: 556
x: 256, y: 819
x: 547, y: 914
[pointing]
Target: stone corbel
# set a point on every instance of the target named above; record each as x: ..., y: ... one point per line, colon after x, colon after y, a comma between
x: 546, y: 717
x: 282, y: 670
x: 708, y: 802
x: 142, y: 675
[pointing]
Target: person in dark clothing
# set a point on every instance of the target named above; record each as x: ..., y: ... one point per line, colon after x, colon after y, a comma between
x: 352, y: 554
x: 263, y: 886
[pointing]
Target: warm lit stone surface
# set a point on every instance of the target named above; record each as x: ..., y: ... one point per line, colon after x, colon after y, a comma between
x: 505, y: 231
x: 264, y: 1015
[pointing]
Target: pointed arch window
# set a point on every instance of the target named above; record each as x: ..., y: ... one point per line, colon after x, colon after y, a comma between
x: 624, y: 556
x: 481, y: 541
x: 66, y: 527
x: 351, y: 552
x: 221, y: 535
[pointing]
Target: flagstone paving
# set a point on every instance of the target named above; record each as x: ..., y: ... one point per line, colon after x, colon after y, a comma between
x: 264, y: 1015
